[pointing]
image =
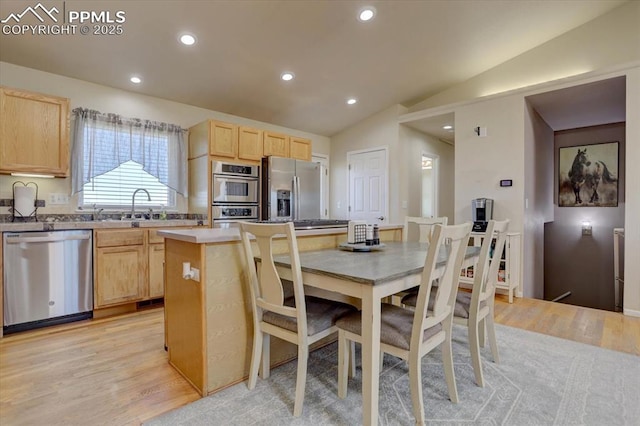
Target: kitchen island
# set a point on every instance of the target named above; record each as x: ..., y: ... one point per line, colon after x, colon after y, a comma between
x: 208, y: 317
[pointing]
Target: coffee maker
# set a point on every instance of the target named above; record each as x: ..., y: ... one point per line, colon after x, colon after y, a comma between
x: 482, y: 213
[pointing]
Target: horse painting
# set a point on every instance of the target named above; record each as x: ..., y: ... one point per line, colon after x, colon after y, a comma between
x: 589, y: 180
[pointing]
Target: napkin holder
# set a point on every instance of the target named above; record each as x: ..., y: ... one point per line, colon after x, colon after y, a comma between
x: 357, y: 232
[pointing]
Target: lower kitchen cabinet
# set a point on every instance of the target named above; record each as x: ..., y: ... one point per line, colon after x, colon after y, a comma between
x: 156, y: 265
x: 128, y: 266
x: 120, y: 266
x: 119, y: 276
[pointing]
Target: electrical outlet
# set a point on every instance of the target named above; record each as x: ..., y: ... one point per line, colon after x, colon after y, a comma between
x: 58, y: 198
x: 195, y: 274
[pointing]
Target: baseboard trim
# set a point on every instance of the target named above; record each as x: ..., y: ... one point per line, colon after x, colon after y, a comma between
x: 631, y: 312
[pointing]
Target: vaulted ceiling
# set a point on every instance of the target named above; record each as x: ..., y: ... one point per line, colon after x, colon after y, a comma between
x: 408, y: 52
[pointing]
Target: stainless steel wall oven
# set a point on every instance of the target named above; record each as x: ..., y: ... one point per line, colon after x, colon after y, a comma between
x: 235, y: 193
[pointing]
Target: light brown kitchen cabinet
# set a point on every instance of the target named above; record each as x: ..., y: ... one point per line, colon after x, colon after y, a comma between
x: 120, y: 266
x: 300, y: 148
x: 156, y: 265
x: 128, y: 266
x: 223, y: 139
x: 276, y: 144
x: 34, y: 133
x: 250, y: 144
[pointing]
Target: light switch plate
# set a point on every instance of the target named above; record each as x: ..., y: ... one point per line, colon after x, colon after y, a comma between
x: 58, y: 198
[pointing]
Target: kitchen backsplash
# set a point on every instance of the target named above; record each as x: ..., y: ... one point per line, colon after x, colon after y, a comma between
x: 7, y: 218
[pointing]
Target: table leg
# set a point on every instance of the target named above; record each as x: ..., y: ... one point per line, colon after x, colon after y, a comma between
x: 370, y: 357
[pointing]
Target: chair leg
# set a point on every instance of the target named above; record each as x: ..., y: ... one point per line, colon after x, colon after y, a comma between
x: 474, y: 348
x: 344, y: 359
x: 481, y: 328
x: 256, y: 355
x: 265, y: 370
x: 303, y: 356
x: 352, y: 359
x: 493, y: 343
x: 415, y: 384
x: 447, y: 362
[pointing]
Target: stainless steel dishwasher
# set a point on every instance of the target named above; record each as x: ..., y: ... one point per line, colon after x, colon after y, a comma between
x: 48, y: 278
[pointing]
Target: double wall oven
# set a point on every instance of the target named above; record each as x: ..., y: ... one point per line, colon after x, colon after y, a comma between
x: 235, y: 193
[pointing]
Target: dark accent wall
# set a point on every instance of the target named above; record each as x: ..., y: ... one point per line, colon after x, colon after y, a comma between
x: 581, y: 264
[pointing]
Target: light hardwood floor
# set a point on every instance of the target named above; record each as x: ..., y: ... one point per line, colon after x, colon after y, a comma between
x: 115, y: 371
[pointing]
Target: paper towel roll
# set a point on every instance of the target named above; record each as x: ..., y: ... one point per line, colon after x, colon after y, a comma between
x: 24, y: 199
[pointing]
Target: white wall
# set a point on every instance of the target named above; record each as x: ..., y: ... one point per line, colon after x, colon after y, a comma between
x: 415, y: 144
x: 481, y: 162
x: 379, y: 130
x: 632, y: 197
x: 606, y: 47
x: 129, y: 104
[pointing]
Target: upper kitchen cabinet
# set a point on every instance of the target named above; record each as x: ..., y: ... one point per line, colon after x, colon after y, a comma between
x: 243, y: 144
x: 249, y: 144
x: 223, y: 139
x: 300, y: 148
x: 34, y: 133
x: 276, y: 144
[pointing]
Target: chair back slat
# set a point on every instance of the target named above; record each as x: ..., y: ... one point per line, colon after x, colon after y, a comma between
x: 267, y: 292
x: 421, y: 228
x: 486, y: 276
x: 449, y: 242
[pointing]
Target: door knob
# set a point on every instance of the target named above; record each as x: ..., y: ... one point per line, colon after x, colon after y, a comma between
x: 381, y: 218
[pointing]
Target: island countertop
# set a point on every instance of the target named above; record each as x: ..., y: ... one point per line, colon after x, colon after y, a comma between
x: 223, y: 235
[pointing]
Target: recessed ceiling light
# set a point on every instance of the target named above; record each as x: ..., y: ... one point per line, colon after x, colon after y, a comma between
x: 367, y: 14
x: 447, y: 127
x: 136, y: 80
x: 187, y: 39
x: 287, y: 76
x: 351, y: 101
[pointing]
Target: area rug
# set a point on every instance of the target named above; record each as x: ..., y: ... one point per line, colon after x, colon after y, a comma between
x: 541, y: 380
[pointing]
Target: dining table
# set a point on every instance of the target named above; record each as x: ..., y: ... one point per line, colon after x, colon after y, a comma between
x: 368, y: 277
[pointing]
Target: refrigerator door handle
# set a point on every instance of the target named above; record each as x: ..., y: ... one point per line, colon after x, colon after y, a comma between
x: 296, y: 198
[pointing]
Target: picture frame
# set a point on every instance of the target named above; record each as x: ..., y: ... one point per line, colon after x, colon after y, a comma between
x: 588, y: 175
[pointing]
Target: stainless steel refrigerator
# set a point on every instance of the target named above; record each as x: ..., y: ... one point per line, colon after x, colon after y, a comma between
x: 290, y: 189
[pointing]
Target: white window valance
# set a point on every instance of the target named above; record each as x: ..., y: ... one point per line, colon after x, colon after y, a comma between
x: 103, y: 142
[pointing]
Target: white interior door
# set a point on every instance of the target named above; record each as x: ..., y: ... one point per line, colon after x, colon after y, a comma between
x: 368, y: 183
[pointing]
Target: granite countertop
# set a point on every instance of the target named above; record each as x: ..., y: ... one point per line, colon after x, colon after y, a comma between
x: 98, y: 224
x: 223, y: 235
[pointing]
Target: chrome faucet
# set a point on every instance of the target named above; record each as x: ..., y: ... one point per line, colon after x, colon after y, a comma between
x: 133, y: 201
x: 97, y: 213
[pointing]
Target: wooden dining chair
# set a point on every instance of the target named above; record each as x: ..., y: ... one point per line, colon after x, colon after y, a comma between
x: 417, y: 229
x: 421, y: 228
x: 411, y: 334
x: 476, y: 309
x: 297, y: 319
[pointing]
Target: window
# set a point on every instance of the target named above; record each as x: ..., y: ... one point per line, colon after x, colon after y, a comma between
x: 115, y: 188
x: 113, y: 156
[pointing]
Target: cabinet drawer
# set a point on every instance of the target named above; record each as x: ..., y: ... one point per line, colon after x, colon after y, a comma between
x: 113, y: 238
